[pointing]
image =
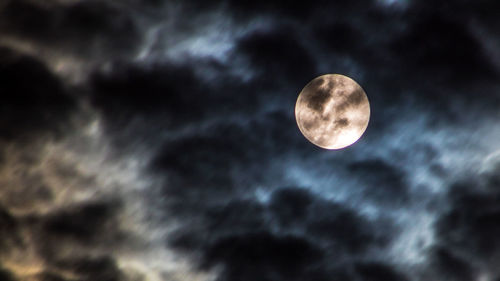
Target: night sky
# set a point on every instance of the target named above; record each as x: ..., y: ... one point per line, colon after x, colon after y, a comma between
x: 155, y: 140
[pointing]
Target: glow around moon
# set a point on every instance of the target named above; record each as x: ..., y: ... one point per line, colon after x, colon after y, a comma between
x: 332, y: 111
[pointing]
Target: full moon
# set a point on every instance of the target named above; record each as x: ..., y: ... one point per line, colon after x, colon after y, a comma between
x: 332, y: 111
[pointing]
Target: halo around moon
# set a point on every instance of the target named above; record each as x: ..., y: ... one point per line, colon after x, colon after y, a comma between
x: 332, y: 111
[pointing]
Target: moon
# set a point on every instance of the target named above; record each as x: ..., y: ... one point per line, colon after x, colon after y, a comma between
x: 332, y: 111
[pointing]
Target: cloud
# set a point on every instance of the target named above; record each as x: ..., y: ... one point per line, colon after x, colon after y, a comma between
x: 378, y: 272
x: 432, y: 50
x: 270, y: 52
x: 467, y: 232
x: 251, y: 256
x: 470, y: 224
x: 100, y: 268
x: 82, y: 27
x: 381, y: 179
x: 84, y: 224
x: 39, y: 106
x: 132, y: 91
x: 5, y: 275
x: 450, y: 266
x: 293, y: 236
x: 9, y: 232
x: 175, y: 154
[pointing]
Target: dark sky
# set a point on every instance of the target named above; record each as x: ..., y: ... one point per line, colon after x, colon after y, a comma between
x: 155, y: 140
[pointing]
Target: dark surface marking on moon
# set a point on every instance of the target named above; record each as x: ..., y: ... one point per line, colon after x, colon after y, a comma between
x: 332, y: 84
x: 317, y: 100
x: 317, y: 83
x: 342, y: 122
x: 352, y: 100
x: 356, y: 97
x: 308, y: 125
x: 342, y: 107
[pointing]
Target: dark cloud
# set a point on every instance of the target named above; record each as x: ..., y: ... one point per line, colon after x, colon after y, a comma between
x: 84, y: 269
x: 264, y: 256
x: 338, y: 37
x: 85, y: 223
x: 93, y: 268
x: 431, y: 45
x: 385, y: 183
x: 378, y: 272
x: 471, y: 223
x: 47, y: 276
x: 269, y: 52
x: 9, y: 232
x: 171, y: 90
x: 198, y: 159
x: 252, y: 239
x: 90, y: 225
x: 34, y: 101
x: 5, y: 275
x: 81, y: 28
x: 441, y: 64
x: 209, y: 158
x: 467, y: 232
x: 338, y: 227
x: 291, y: 205
x: 203, y: 140
x: 297, y: 11
x: 450, y: 266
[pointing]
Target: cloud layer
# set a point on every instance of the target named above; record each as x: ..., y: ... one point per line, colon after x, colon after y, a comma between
x: 156, y: 140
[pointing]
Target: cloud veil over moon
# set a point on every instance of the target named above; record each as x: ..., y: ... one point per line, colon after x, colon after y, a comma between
x: 155, y: 140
